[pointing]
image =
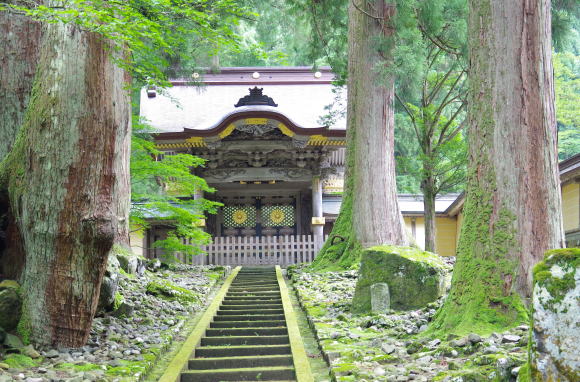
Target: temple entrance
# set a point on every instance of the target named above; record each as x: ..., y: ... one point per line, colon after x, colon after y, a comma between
x: 259, y: 216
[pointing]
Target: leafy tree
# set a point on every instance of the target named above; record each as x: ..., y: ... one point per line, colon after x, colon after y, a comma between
x: 437, y: 110
x: 567, y: 84
x: 161, y: 190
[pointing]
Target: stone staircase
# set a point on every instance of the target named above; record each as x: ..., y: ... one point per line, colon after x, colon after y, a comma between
x: 247, y: 339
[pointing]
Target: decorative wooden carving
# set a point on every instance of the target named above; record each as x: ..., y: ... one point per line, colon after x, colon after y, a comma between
x: 256, y: 98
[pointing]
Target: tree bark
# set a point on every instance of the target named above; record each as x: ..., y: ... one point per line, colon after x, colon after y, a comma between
x: 18, y: 60
x: 369, y: 213
x: 513, y: 207
x: 68, y: 179
x: 370, y: 115
x: 428, y: 188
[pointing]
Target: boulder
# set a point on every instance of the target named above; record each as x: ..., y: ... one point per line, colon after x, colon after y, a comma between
x: 129, y: 263
x: 10, y: 306
x: 110, y: 285
x: 555, y: 349
x: 414, y: 277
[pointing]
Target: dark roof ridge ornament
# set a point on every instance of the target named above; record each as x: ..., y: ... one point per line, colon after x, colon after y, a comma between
x: 256, y: 98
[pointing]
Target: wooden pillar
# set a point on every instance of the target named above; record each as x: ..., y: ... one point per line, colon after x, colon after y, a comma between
x: 317, y: 215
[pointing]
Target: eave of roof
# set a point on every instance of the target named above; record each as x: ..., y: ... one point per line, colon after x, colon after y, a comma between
x: 295, y: 75
x: 253, y: 112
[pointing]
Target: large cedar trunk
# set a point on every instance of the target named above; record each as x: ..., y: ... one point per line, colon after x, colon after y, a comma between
x: 512, y: 209
x: 371, y: 123
x: 67, y: 182
x: 369, y: 214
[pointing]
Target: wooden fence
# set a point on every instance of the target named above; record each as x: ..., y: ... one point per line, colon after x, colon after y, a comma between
x: 265, y: 250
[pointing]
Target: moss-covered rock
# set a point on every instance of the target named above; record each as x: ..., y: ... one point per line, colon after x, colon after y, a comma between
x: 10, y: 308
x: 415, y: 278
x: 555, y: 347
x: 168, y: 290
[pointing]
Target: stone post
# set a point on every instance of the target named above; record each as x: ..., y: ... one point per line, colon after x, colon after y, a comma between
x: 317, y: 215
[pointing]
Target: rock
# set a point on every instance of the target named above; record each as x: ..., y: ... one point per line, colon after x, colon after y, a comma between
x: 474, y: 338
x: 379, y: 371
x: 4, y: 366
x: 388, y: 348
x: 490, y: 349
x: 334, y: 335
x: 510, y: 338
x: 153, y: 265
x: 460, y: 342
x: 434, y: 344
x: 555, y: 347
x: 128, y: 262
x: 2, y: 335
x: 13, y: 342
x: 516, y: 371
x: 9, y: 284
x: 30, y: 351
x: 30, y: 379
x: 380, y: 298
x: 415, y: 278
x: 124, y: 310
x: 503, y: 367
x: 10, y: 308
x: 110, y: 285
x: 53, y: 353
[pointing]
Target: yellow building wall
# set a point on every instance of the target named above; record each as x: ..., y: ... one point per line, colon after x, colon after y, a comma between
x: 445, y: 236
x: 571, y: 206
x: 137, y: 241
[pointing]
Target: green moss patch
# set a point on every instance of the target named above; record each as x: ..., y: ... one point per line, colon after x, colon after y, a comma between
x: 168, y: 290
x: 20, y: 361
x: 558, y: 284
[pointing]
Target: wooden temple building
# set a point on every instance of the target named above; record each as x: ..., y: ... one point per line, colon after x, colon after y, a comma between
x: 278, y: 164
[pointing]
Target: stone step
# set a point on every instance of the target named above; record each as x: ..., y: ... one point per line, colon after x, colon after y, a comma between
x: 234, y: 351
x: 247, y: 324
x: 221, y: 332
x: 253, y: 289
x: 255, y: 293
x: 245, y: 340
x: 250, y: 317
x: 239, y: 362
x: 252, y: 298
x: 251, y: 307
x: 257, y: 311
x: 252, y: 302
x: 250, y: 374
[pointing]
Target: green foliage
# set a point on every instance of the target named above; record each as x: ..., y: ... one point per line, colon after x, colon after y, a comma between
x: 152, y: 35
x: 119, y: 299
x: 567, y: 86
x: 161, y: 189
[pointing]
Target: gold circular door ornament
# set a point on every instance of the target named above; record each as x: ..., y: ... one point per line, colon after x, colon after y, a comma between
x: 277, y: 216
x: 239, y: 216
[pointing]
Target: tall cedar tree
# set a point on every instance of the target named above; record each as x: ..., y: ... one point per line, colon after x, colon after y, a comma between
x: 66, y: 123
x: 513, y: 208
x: 369, y: 214
x: 65, y: 179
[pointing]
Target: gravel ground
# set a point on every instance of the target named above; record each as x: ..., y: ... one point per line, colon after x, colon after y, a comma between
x: 123, y: 344
x: 389, y: 347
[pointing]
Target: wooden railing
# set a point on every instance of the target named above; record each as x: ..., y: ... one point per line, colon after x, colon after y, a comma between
x: 282, y: 250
